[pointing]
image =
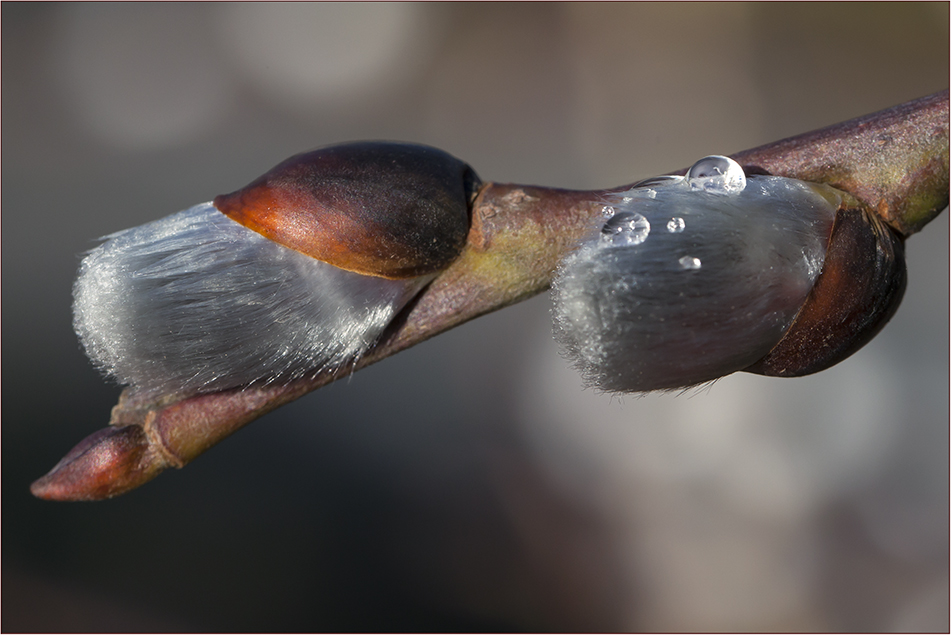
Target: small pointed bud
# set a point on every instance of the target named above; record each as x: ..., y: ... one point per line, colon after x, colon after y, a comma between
x: 107, y: 463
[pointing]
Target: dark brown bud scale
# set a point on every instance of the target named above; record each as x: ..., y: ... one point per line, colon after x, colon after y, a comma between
x: 383, y: 209
x: 856, y: 294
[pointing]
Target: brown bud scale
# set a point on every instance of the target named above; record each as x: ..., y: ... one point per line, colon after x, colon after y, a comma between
x: 857, y: 292
x: 382, y: 209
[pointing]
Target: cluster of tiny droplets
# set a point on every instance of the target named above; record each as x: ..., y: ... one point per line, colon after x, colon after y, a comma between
x: 714, y: 174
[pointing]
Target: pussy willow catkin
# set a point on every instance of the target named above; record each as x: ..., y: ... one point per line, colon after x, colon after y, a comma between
x: 687, y: 279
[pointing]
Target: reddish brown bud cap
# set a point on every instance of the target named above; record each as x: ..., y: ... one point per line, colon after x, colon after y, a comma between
x: 384, y: 209
x: 859, y: 290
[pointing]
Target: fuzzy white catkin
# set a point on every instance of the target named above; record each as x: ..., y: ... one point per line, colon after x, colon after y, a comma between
x: 197, y: 302
x: 690, y: 279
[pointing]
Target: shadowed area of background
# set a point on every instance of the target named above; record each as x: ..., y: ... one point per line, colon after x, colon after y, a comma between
x: 469, y: 483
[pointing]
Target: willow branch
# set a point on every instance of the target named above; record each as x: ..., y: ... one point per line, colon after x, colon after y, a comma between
x: 895, y: 162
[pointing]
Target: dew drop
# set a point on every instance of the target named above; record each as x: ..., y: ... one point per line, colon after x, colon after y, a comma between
x: 689, y: 262
x: 717, y: 174
x: 607, y: 211
x: 625, y: 228
x: 676, y: 225
x: 651, y: 193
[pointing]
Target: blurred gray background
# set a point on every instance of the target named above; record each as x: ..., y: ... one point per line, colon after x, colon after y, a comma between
x: 469, y: 483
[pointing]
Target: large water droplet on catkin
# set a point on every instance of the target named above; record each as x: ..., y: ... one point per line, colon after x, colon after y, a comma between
x: 625, y: 228
x: 717, y: 174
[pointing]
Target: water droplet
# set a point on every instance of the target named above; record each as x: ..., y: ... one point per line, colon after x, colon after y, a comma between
x: 717, y: 175
x: 607, y: 211
x: 689, y: 262
x: 676, y: 225
x: 651, y: 193
x: 625, y: 228
x: 626, y: 199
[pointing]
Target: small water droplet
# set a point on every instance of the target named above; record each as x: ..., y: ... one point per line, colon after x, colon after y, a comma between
x: 676, y: 225
x: 689, y: 262
x: 651, y: 193
x: 625, y: 228
x: 717, y: 175
x: 607, y: 211
x: 626, y: 199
